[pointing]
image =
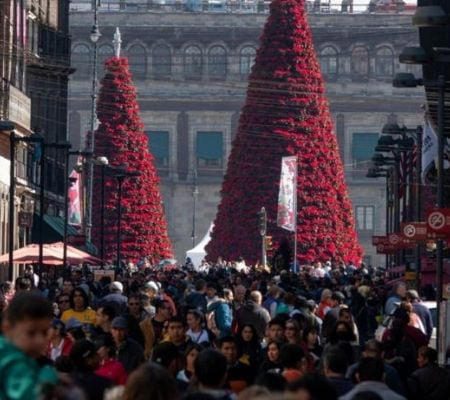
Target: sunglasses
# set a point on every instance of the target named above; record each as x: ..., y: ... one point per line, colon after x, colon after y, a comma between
x: 134, y: 304
x: 63, y: 301
x: 291, y: 328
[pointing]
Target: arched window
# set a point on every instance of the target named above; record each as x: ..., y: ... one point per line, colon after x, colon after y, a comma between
x: 217, y: 63
x: 137, y: 57
x: 384, y: 62
x: 104, y: 53
x: 81, y: 59
x: 247, y: 59
x: 161, y: 61
x: 360, y: 62
x: 329, y: 61
x: 193, y: 63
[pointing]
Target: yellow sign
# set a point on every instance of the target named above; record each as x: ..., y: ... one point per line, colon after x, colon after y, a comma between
x: 410, y: 276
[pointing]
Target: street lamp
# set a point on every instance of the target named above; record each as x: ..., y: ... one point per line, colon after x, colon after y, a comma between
x: 194, y: 200
x: 103, y: 162
x: 120, y: 173
x: 94, y: 36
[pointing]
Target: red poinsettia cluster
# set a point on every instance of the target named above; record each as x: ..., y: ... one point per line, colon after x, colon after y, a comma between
x: 121, y: 138
x: 286, y: 113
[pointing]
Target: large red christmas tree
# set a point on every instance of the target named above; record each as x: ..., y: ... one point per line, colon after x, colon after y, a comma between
x: 286, y: 113
x: 121, y: 138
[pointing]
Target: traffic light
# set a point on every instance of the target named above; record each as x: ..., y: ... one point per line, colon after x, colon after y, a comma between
x: 269, y: 244
x: 262, y: 221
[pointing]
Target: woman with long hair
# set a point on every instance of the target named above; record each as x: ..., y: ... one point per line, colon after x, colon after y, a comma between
x: 59, y: 344
x: 184, y: 377
x: 292, y: 332
x: 272, y: 362
x: 249, y: 347
x: 79, y: 308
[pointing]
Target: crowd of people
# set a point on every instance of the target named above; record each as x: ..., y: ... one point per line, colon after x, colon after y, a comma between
x: 222, y: 331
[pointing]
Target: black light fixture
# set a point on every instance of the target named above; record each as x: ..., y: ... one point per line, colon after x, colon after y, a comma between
x: 430, y: 16
x: 415, y: 55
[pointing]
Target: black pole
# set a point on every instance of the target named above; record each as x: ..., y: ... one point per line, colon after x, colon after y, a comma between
x: 102, y: 216
x: 396, y: 223
x: 66, y: 203
x: 119, y: 217
x: 418, y: 196
x: 194, y: 206
x: 440, y: 204
x: 41, y: 209
x: 12, y: 189
x: 388, y: 214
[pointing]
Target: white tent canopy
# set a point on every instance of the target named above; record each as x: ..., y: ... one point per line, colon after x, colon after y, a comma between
x: 198, y: 253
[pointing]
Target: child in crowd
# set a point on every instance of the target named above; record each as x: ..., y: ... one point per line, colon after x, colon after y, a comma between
x: 25, y: 338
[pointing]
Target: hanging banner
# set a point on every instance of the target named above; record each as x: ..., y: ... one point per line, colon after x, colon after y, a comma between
x: 287, y: 198
x: 429, y: 149
x: 415, y: 231
x: 74, y: 198
x: 438, y: 220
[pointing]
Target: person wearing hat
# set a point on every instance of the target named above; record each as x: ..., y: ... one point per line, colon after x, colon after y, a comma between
x: 85, y: 361
x: 115, y: 298
x: 129, y: 352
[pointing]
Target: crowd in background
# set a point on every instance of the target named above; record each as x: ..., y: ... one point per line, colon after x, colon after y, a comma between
x: 222, y: 331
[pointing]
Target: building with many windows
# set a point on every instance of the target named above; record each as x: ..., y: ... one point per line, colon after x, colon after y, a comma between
x: 190, y: 66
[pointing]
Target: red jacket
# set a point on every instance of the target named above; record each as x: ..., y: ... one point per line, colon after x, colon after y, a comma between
x: 66, y: 348
x: 113, y: 370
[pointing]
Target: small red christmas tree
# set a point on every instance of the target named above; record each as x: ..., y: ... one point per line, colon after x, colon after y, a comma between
x: 286, y: 113
x: 121, y: 138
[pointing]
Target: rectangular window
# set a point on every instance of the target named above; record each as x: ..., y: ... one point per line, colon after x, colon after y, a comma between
x: 209, y: 149
x: 364, y: 218
x: 158, y: 142
x: 363, y: 147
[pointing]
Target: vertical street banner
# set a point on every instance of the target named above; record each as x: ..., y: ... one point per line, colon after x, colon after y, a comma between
x: 74, y: 199
x: 429, y: 149
x: 287, y: 198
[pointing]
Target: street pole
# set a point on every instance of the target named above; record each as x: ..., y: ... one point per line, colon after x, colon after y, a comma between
x: 262, y: 232
x: 388, y: 213
x: 418, y: 197
x: 102, y: 215
x: 90, y: 177
x: 66, y: 204
x: 440, y: 204
x: 41, y: 209
x: 396, y: 223
x: 194, y: 208
x: 120, y: 179
x: 12, y: 189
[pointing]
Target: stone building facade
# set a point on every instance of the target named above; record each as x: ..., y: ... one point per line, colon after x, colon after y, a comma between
x: 191, y: 70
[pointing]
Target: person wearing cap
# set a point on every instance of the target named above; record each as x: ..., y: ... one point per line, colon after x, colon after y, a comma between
x: 85, y: 361
x: 129, y: 352
x: 115, y: 298
x: 422, y: 311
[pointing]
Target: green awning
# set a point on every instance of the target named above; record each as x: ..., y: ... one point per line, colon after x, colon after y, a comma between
x: 209, y: 145
x: 53, y: 229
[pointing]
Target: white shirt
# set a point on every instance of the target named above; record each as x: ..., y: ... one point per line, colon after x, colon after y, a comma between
x: 198, y: 337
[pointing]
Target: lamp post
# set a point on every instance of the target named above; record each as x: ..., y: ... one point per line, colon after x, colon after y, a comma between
x: 94, y: 36
x: 262, y: 231
x: 103, y: 162
x: 194, y: 208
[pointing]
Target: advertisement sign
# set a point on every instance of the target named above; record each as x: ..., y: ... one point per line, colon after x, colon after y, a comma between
x: 287, y: 198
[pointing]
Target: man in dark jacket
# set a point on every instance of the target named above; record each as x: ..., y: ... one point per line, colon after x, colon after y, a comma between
x: 253, y: 313
x: 335, y: 366
x: 430, y: 381
x: 129, y: 352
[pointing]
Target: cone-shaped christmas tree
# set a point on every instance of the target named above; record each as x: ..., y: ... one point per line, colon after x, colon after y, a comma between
x: 286, y: 113
x: 121, y: 138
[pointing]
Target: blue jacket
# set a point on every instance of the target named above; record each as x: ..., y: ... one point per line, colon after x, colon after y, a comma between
x: 223, y: 316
